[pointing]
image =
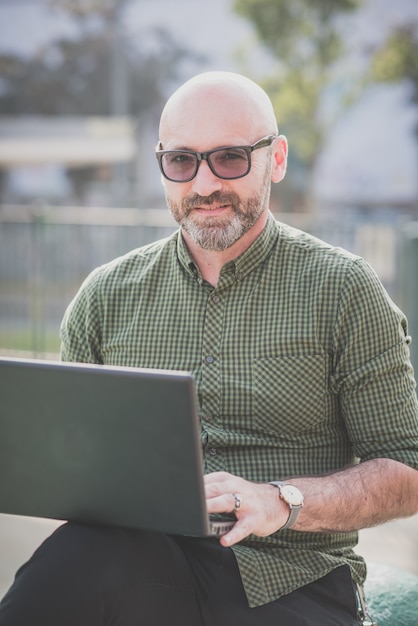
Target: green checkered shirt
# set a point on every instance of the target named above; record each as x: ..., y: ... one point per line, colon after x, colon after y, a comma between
x: 301, y: 363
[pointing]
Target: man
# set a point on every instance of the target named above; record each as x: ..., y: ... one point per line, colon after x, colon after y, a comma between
x: 304, y: 381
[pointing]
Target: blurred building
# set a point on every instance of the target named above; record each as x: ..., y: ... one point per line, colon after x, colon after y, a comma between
x: 370, y: 158
x: 60, y: 159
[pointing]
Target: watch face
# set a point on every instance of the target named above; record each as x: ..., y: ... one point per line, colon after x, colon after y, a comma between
x: 292, y: 495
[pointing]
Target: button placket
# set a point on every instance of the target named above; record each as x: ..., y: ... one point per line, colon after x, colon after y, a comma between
x: 211, y: 375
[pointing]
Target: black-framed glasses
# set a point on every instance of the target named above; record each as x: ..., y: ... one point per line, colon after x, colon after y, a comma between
x: 180, y: 166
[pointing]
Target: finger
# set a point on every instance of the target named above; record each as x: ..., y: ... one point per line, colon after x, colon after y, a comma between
x: 239, y: 531
x: 217, y: 478
x: 224, y: 503
x: 214, y: 489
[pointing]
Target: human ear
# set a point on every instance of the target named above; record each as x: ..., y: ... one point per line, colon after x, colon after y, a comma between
x: 279, y: 159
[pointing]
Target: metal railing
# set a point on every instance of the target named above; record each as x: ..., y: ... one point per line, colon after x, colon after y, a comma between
x: 46, y: 253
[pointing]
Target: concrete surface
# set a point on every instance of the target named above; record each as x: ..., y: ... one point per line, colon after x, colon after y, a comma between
x: 395, y: 543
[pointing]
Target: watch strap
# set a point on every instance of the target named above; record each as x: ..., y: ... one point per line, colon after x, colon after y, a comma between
x: 293, y: 515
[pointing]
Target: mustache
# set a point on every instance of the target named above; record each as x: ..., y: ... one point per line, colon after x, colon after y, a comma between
x: 217, y: 197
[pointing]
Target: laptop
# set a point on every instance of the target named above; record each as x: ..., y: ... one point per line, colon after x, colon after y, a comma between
x: 103, y: 445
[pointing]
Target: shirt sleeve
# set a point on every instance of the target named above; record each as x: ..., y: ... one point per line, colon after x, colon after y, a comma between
x: 81, y: 325
x: 372, y: 373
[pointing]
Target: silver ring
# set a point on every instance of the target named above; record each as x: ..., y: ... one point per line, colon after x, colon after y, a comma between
x: 238, y: 502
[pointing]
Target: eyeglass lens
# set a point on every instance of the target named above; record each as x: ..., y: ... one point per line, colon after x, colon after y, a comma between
x: 225, y: 163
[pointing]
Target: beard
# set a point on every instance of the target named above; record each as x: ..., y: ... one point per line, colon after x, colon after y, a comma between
x: 220, y: 233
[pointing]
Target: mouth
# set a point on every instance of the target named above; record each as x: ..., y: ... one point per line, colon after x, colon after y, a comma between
x: 213, y: 206
x: 212, y: 210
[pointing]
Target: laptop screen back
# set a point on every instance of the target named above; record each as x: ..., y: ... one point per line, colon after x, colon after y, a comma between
x: 101, y: 444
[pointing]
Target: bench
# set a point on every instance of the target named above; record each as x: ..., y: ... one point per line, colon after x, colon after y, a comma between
x: 391, y: 595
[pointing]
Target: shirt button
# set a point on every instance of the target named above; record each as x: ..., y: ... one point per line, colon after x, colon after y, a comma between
x: 213, y: 452
x: 239, y: 276
x: 208, y: 417
x: 216, y: 299
x: 209, y: 359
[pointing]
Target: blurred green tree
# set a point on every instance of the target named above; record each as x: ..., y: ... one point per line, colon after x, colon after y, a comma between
x: 303, y: 36
x: 397, y: 59
x: 99, y: 71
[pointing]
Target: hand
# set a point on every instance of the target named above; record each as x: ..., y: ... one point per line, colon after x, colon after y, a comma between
x: 262, y: 512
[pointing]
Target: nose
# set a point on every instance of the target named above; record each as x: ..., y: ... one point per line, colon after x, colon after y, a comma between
x: 206, y: 182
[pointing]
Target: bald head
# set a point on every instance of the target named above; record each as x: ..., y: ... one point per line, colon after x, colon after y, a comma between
x: 224, y: 103
x: 222, y: 203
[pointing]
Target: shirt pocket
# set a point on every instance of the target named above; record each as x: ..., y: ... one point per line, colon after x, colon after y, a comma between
x: 289, y: 393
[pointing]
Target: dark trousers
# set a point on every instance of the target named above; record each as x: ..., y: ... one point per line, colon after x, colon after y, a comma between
x: 99, y: 576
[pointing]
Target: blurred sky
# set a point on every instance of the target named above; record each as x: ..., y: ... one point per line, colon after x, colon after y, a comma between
x: 371, y: 151
x: 208, y: 27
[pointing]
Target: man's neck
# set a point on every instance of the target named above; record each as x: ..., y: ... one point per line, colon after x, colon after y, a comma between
x: 211, y: 262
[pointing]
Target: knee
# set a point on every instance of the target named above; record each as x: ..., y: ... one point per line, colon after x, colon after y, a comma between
x: 100, y: 558
x: 76, y: 575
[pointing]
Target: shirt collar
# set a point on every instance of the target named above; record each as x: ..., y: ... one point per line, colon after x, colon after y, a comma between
x: 258, y: 252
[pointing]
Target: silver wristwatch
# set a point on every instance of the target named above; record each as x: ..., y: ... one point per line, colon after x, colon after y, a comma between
x: 293, y: 497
